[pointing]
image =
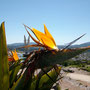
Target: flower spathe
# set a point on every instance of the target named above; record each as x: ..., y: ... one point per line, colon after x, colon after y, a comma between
x: 44, y: 39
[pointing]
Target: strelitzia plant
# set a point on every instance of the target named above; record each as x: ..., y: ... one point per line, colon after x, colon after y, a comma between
x: 21, y: 75
x: 47, y: 41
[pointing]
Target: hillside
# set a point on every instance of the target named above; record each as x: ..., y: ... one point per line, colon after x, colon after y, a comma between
x: 16, y: 45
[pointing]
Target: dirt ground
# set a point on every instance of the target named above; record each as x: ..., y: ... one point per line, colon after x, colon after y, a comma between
x: 77, y: 80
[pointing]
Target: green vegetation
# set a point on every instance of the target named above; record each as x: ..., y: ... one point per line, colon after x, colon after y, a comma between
x: 83, y: 64
x: 11, y: 80
x: 18, y: 74
x: 87, y: 68
x: 4, y: 72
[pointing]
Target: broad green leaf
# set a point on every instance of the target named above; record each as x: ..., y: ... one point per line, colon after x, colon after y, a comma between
x: 4, y: 68
x: 35, y: 81
x: 45, y: 82
x: 13, y: 75
x: 12, y: 66
x: 23, y: 82
x: 26, y: 79
x: 16, y: 83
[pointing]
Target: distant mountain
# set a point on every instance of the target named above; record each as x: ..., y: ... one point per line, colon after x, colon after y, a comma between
x: 16, y: 45
x: 84, y: 44
x: 76, y: 45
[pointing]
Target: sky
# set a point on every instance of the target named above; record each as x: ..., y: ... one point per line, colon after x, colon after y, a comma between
x: 66, y: 20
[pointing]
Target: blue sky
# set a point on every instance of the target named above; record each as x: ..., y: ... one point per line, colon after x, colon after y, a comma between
x: 65, y: 19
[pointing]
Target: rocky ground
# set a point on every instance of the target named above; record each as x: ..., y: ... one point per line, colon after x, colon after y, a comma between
x: 74, y: 79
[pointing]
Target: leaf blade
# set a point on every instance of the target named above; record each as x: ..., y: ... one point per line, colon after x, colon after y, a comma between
x: 4, y: 68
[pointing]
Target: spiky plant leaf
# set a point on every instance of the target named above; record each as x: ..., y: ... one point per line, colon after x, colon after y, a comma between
x: 4, y: 68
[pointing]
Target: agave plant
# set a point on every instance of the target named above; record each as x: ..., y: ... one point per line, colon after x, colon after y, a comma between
x: 21, y: 74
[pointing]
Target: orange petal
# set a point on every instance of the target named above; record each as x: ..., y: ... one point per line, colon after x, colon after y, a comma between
x: 15, y: 56
x: 48, y: 34
x: 10, y: 59
x: 38, y: 34
x: 48, y: 42
x: 31, y: 35
x: 44, y: 39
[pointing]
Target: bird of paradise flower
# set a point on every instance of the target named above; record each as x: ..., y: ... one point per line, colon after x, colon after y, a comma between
x: 13, y: 56
x: 44, y: 39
